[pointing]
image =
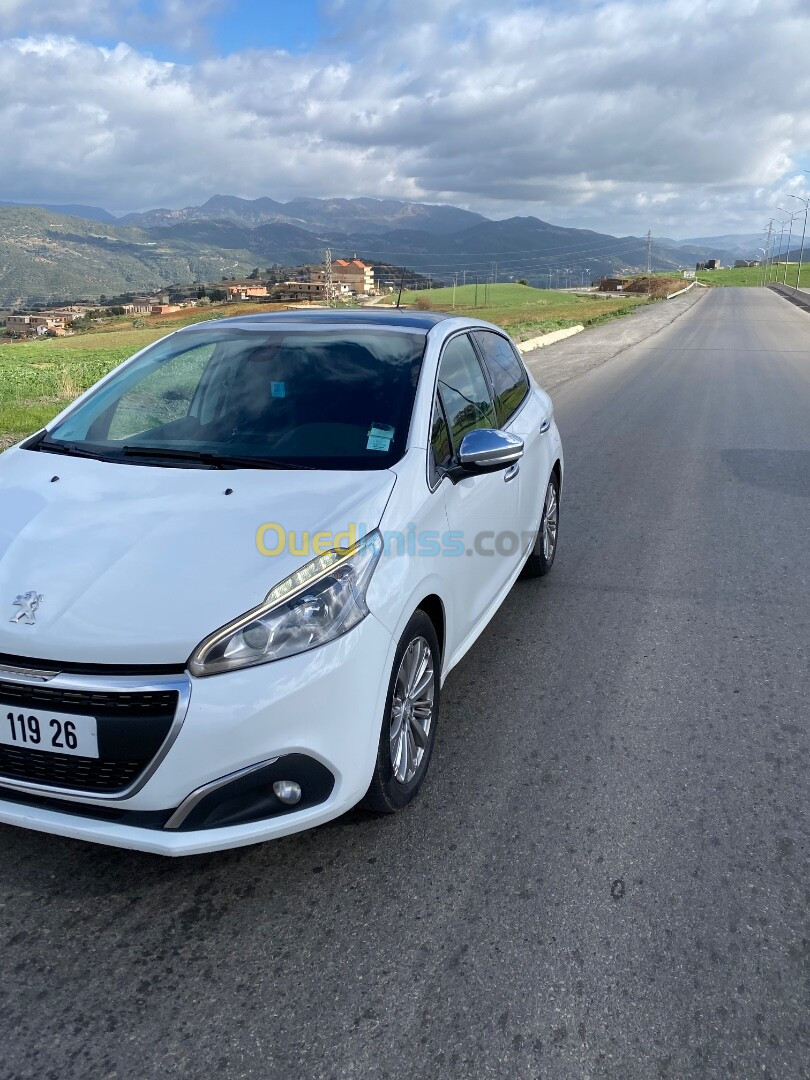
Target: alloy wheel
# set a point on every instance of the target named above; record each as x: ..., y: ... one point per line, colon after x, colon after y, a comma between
x: 550, y: 522
x: 412, y: 709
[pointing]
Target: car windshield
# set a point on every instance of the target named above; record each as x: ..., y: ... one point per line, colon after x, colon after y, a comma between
x: 337, y: 399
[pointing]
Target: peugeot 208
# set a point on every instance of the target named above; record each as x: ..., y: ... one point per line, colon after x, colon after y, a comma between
x: 235, y: 573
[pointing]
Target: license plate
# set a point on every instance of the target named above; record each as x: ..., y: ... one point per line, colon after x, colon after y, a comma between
x: 56, y: 733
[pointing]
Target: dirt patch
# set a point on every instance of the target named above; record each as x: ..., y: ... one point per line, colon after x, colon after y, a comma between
x: 657, y: 287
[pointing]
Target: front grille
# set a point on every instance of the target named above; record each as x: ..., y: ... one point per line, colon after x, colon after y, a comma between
x: 67, y: 770
x: 131, y: 726
x: 90, y: 702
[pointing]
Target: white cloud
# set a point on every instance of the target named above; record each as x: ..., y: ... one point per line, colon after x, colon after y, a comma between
x: 178, y: 21
x: 678, y: 115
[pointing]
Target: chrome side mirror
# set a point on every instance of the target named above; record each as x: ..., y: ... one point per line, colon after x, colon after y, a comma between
x: 486, y: 450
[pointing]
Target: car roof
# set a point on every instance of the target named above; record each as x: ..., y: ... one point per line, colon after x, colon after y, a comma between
x: 408, y: 320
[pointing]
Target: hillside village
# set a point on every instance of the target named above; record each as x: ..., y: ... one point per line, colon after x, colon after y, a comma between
x: 347, y: 281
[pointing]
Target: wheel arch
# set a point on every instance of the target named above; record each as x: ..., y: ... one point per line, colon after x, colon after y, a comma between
x: 433, y: 607
x: 557, y: 470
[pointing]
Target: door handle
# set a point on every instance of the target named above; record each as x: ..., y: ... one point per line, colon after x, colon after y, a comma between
x: 511, y: 472
x: 545, y: 424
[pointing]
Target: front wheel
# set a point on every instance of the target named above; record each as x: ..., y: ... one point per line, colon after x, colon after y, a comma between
x: 545, y: 548
x: 409, y: 724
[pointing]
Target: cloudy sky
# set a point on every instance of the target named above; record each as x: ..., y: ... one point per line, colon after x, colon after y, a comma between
x: 688, y: 117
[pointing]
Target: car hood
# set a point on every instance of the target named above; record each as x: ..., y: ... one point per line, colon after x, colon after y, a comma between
x: 137, y: 564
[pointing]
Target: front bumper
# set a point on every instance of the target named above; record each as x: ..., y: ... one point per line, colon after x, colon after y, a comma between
x: 324, y: 706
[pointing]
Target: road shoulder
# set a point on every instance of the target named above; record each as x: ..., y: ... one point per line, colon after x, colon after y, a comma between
x: 564, y: 360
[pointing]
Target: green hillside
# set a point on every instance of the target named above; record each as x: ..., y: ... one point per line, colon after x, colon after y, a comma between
x: 46, y: 256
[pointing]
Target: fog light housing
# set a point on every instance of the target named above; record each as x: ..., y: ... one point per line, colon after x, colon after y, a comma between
x: 287, y: 791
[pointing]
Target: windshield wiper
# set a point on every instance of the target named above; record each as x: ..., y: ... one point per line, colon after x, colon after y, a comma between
x: 69, y: 449
x: 208, y: 457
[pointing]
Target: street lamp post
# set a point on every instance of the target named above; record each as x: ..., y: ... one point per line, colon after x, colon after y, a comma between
x: 781, y: 238
x: 790, y: 234
x: 804, y: 232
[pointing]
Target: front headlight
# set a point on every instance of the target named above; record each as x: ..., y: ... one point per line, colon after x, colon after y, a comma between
x: 316, y: 604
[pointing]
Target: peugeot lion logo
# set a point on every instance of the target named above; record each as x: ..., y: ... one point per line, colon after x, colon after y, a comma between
x: 28, y: 604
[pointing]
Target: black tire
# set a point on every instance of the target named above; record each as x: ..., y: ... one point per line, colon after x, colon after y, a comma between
x: 540, y: 562
x: 387, y: 793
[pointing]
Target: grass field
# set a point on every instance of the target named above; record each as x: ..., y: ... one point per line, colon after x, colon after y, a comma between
x: 752, y: 275
x: 39, y: 378
x: 521, y: 309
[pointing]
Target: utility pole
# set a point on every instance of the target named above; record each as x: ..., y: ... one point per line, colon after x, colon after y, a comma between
x: 768, y: 253
x: 475, y: 302
x: 455, y: 280
x: 327, y: 277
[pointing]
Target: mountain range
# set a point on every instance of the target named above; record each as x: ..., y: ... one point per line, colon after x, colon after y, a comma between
x: 48, y: 254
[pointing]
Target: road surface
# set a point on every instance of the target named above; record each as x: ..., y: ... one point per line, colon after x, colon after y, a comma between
x: 607, y: 874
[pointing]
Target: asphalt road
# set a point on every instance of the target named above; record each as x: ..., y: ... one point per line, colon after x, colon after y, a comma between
x: 607, y: 874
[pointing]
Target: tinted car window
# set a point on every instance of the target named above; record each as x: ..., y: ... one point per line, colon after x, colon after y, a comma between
x: 464, y: 390
x: 507, y: 373
x: 321, y: 399
x: 441, y: 452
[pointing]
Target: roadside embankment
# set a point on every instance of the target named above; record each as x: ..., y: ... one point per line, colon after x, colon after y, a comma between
x: 564, y: 360
x: 795, y: 296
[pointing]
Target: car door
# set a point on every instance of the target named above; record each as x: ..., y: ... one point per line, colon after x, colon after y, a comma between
x: 482, y: 509
x: 524, y: 412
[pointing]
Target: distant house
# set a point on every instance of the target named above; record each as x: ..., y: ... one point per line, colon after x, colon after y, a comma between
x: 300, y: 290
x: 247, y: 292
x: 165, y: 309
x: 308, y: 290
x: 610, y: 284
x: 356, y: 275
x: 18, y: 325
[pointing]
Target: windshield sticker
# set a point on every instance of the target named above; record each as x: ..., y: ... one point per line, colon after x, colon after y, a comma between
x: 378, y: 442
x: 380, y: 437
x: 278, y: 389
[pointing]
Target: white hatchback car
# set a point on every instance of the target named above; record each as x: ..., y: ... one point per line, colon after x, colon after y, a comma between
x: 235, y: 573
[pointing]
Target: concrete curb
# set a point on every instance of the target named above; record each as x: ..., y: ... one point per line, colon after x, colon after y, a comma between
x: 680, y: 291
x: 548, y: 339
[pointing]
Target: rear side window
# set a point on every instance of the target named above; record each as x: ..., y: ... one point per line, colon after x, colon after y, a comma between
x: 509, y: 380
x: 464, y: 390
